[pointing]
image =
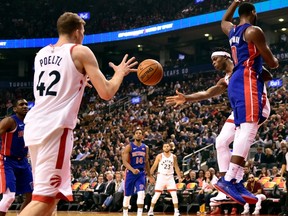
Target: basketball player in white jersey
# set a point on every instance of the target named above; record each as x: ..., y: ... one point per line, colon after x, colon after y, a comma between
x: 166, y: 163
x: 61, y: 72
x: 221, y: 61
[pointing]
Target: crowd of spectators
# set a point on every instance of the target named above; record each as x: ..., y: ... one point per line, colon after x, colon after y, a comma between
x: 105, y: 128
x: 105, y: 16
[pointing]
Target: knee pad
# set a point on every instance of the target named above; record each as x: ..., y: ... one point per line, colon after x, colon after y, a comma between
x: 126, y: 201
x: 174, y: 197
x: 140, y: 197
x: 7, y: 200
x: 155, y: 197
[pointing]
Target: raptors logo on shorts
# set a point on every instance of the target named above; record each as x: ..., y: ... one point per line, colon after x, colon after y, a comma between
x: 55, y: 181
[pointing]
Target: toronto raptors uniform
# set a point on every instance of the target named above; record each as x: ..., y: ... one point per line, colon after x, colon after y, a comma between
x: 15, y: 171
x: 137, y: 161
x: 58, y: 90
x: 165, y: 175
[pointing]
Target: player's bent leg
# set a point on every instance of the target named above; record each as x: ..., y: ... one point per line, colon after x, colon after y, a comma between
x: 140, y: 202
x: 34, y: 207
x: 6, y: 201
x: 27, y: 200
x: 223, y: 140
x: 153, y: 202
x: 175, y: 202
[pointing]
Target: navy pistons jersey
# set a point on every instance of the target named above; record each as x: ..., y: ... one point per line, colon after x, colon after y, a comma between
x: 245, y: 87
x: 13, y: 142
x: 244, y: 54
x: 137, y: 156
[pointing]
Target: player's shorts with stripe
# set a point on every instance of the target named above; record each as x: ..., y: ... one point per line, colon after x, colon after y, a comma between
x: 15, y: 174
x: 134, y: 183
x: 51, y: 166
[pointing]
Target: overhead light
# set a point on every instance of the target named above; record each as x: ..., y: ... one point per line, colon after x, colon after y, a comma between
x: 206, y: 35
x: 139, y: 45
x: 280, y: 19
x: 283, y: 29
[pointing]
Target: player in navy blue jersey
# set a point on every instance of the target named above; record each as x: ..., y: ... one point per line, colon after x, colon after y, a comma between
x: 15, y: 171
x: 249, y: 49
x: 136, y: 160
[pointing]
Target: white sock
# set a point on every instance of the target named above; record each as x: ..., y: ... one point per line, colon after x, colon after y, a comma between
x: 151, y: 209
x: 176, y: 210
x: 125, y: 211
x: 232, y: 171
x: 239, y: 174
x: 139, y: 211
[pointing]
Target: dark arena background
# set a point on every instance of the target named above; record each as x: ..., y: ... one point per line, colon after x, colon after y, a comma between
x: 181, y: 35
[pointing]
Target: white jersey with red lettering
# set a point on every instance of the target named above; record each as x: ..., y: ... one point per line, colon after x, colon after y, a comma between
x: 58, y: 91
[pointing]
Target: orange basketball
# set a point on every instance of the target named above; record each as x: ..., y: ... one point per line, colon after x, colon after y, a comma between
x: 150, y: 72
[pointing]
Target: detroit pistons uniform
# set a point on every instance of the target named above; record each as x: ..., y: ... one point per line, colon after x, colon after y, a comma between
x: 165, y: 175
x: 15, y: 171
x: 226, y: 136
x: 137, y: 161
x: 58, y: 91
x: 246, y: 84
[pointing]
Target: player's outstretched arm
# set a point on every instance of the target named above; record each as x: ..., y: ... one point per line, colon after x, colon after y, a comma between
x: 86, y: 62
x: 213, y: 91
x: 226, y: 23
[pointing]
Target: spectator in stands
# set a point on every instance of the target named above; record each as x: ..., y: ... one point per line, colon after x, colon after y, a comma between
x: 275, y: 172
x: 212, y: 160
x: 84, y: 177
x: 264, y: 173
x: 254, y: 187
x: 259, y: 156
x: 246, y: 173
x: 280, y: 153
x: 192, y: 177
x: 107, y: 197
x: 207, y: 190
x: 270, y: 159
x: 96, y: 193
x: 200, y: 177
x: 284, y: 200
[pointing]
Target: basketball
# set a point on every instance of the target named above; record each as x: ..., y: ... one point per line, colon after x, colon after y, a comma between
x: 150, y: 72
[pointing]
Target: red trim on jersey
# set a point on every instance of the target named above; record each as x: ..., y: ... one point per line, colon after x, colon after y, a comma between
x: 251, y: 95
x: 63, y: 197
x: 230, y: 120
x: 62, y: 147
x: 41, y: 198
x: 2, y: 175
x: 171, y: 190
x: 6, y: 144
x: 72, y: 47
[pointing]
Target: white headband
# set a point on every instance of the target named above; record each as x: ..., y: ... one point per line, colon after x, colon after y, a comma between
x: 220, y: 53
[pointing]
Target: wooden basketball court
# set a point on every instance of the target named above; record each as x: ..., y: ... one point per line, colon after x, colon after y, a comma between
x: 77, y: 213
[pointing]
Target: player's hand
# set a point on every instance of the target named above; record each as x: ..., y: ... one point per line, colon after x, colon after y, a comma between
x: 180, y: 179
x: 266, y: 75
x: 176, y: 100
x: 151, y: 179
x: 87, y: 84
x: 126, y: 66
x: 135, y: 171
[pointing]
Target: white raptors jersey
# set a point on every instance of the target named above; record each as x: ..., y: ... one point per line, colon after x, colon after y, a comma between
x: 58, y: 90
x: 166, y: 165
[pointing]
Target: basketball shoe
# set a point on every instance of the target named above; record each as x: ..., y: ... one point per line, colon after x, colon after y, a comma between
x: 245, y: 194
x: 229, y: 188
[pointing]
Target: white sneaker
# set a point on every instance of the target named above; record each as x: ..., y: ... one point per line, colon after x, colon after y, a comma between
x: 150, y: 213
x: 177, y: 214
x: 256, y: 212
x: 245, y: 212
x: 220, y: 196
